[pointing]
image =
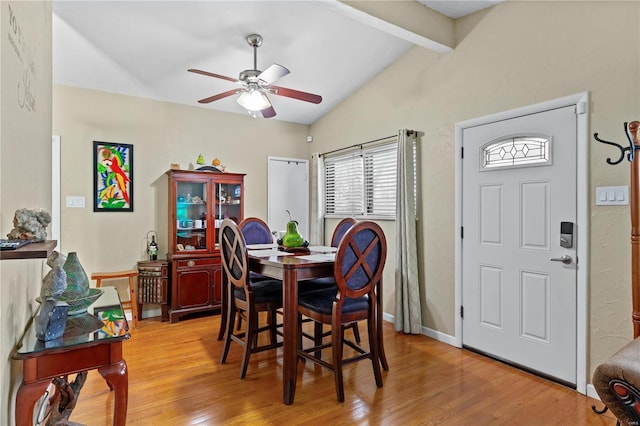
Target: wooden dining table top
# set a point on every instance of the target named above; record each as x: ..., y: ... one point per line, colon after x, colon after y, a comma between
x: 307, y: 265
x: 291, y: 269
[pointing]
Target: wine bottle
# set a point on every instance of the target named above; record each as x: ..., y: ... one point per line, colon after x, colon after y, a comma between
x: 153, y: 249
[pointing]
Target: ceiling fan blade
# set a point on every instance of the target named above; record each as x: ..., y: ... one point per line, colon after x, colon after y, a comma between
x: 210, y: 74
x: 219, y: 96
x: 273, y: 73
x: 269, y: 112
x: 296, y: 94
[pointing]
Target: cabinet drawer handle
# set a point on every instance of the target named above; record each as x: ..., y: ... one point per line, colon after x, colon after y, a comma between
x: 191, y: 263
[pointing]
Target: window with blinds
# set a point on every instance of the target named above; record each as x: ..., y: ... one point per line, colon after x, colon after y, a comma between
x: 362, y: 183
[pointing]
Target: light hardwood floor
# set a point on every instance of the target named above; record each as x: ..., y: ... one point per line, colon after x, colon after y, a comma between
x: 175, y: 378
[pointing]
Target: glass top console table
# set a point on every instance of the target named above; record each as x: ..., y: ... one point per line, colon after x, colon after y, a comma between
x: 92, y: 340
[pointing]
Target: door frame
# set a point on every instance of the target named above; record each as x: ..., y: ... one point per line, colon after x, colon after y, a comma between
x: 581, y: 102
x: 55, y: 190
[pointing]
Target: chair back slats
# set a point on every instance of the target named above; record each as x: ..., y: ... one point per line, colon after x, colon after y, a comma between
x: 235, y: 259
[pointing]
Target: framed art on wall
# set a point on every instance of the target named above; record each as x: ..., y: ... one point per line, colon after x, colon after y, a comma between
x: 112, y: 177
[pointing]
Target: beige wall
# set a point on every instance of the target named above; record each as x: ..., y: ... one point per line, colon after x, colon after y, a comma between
x: 25, y: 167
x: 513, y: 55
x: 161, y: 133
x: 516, y: 54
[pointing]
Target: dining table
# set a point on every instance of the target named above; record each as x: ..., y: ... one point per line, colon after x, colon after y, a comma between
x: 291, y: 268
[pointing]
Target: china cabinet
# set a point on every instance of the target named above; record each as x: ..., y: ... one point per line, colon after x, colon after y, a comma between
x: 198, y: 202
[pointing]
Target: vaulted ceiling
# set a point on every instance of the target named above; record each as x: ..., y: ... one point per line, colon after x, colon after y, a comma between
x: 144, y: 48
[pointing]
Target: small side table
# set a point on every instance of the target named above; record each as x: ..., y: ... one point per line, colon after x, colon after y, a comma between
x: 153, y: 285
x: 84, y: 346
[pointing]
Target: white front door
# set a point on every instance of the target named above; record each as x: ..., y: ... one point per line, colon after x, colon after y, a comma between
x: 519, y: 185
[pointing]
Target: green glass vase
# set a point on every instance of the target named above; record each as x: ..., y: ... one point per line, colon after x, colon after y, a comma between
x: 77, y: 280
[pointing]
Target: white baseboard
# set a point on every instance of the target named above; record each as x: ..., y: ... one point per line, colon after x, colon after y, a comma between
x: 439, y: 336
x: 591, y: 392
x: 434, y: 334
x: 150, y: 313
x: 146, y: 313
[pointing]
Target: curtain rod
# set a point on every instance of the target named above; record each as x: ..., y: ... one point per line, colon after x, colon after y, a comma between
x: 409, y: 133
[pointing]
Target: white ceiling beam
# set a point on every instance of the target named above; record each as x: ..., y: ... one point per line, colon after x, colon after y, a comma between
x: 408, y: 20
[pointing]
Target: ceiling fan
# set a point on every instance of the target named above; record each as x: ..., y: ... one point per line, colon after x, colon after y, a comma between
x: 255, y: 84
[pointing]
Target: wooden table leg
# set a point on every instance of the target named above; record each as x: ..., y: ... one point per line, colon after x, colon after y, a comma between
x: 117, y: 378
x: 290, y: 330
x: 27, y: 396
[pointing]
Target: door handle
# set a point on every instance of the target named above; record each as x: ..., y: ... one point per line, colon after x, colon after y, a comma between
x: 566, y: 259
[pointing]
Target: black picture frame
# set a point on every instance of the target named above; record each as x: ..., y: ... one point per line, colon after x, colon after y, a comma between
x: 112, y: 177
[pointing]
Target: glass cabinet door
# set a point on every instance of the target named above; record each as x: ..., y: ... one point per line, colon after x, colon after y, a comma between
x: 228, y: 203
x: 191, y: 216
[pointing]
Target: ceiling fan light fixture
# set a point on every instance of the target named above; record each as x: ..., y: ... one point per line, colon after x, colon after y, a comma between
x: 255, y: 83
x: 254, y: 100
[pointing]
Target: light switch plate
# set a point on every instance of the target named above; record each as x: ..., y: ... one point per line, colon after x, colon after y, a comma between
x: 612, y: 195
x: 75, y: 202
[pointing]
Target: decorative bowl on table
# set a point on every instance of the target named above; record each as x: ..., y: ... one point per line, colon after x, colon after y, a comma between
x: 79, y: 305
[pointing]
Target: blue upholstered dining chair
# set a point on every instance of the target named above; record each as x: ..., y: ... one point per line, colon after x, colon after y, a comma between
x: 255, y: 231
x: 246, y: 296
x: 358, y: 267
x: 328, y: 283
x: 341, y: 228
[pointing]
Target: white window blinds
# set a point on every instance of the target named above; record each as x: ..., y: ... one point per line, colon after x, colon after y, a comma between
x: 380, y: 180
x: 344, y: 180
x: 362, y: 182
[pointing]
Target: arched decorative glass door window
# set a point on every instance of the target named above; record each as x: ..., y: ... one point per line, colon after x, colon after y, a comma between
x: 516, y: 151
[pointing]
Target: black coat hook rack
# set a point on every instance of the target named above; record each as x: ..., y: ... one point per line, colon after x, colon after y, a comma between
x: 631, y: 148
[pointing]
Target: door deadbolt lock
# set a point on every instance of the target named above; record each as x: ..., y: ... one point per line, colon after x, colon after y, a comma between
x: 566, y: 234
x: 566, y: 259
